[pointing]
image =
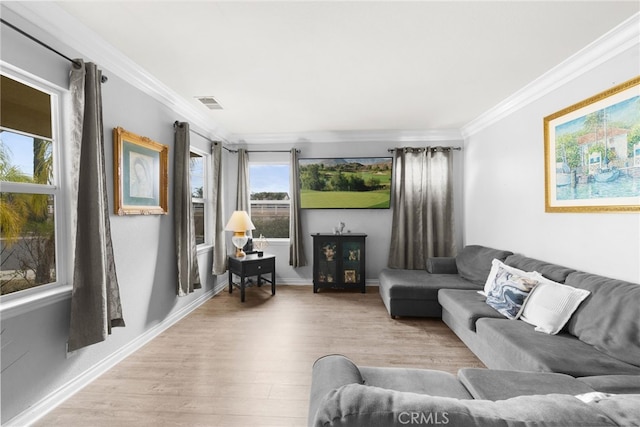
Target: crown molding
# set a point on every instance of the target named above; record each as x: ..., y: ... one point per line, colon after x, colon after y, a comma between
x: 373, y: 136
x: 61, y: 26
x: 619, y: 39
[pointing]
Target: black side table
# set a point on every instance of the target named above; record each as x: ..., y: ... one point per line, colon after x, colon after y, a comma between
x: 252, y: 265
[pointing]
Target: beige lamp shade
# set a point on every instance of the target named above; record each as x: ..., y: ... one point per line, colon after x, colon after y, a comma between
x: 240, y: 221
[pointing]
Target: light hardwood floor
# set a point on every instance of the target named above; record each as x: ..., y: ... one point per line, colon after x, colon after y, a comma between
x: 233, y: 364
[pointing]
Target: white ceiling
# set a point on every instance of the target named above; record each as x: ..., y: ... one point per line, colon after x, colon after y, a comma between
x: 293, y: 67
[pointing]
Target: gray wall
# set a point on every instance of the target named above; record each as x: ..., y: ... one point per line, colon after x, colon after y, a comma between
x: 376, y: 223
x: 504, y: 187
x: 34, y: 359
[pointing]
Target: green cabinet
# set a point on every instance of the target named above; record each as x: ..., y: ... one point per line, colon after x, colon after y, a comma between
x: 339, y: 261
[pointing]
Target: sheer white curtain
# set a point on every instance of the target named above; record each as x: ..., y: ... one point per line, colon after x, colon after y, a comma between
x: 219, y: 242
x: 423, y: 224
x: 95, y: 299
x: 183, y: 222
x: 296, y: 240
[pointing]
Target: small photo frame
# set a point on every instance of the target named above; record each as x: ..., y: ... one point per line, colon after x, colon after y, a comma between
x: 349, y: 276
x: 140, y: 174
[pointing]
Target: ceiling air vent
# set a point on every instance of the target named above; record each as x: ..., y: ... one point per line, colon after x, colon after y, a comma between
x: 210, y: 102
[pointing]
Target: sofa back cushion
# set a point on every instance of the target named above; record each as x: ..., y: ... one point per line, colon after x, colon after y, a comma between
x: 474, y: 262
x: 554, y: 272
x: 609, y: 318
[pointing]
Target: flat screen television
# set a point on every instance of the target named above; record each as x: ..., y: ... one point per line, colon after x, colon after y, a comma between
x: 345, y: 183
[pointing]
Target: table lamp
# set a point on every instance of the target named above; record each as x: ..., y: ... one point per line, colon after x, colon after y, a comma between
x: 239, y: 223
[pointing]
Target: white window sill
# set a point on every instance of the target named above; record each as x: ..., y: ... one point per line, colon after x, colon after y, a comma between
x: 278, y: 242
x: 204, y: 248
x: 14, y: 305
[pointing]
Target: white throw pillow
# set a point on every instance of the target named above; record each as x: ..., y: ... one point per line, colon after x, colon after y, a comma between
x: 496, y: 265
x: 550, y: 305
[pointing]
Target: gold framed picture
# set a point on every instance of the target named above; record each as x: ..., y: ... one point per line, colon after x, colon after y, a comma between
x: 592, y: 153
x: 140, y: 174
x: 349, y: 276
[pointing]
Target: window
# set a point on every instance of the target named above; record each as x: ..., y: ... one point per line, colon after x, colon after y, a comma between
x: 269, y: 186
x: 31, y: 216
x: 198, y: 195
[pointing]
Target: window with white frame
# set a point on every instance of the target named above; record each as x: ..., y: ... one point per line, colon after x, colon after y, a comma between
x: 31, y: 195
x: 270, y: 199
x: 199, y: 195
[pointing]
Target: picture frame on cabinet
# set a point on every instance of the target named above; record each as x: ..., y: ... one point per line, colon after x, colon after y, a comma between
x: 350, y: 276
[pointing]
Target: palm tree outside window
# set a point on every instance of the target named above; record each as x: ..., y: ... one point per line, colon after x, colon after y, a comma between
x: 29, y: 193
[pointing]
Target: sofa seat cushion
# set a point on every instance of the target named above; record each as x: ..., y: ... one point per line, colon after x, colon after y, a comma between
x: 474, y: 262
x: 423, y: 381
x: 554, y: 272
x: 494, y: 384
x: 622, y: 409
x: 467, y: 306
x: 522, y: 348
x: 608, y: 318
x: 617, y: 384
x: 361, y: 405
x: 418, y: 284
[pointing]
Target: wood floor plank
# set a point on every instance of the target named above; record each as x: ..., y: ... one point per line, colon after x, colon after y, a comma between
x: 250, y: 364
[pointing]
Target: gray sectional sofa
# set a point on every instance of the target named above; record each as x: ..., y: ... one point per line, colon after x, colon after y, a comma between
x: 533, y: 376
x: 602, y: 337
x: 343, y: 394
x: 414, y: 293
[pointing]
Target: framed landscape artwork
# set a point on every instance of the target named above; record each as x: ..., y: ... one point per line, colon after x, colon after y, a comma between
x: 140, y: 174
x: 592, y: 153
x: 345, y: 183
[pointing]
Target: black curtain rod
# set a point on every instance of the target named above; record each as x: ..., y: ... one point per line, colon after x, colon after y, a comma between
x: 41, y: 43
x: 264, y: 151
x: 391, y: 150
x: 178, y: 124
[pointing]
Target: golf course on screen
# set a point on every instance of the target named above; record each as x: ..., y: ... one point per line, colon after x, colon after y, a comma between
x: 345, y: 183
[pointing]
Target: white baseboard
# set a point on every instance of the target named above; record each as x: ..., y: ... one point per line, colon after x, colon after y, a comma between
x: 50, y: 402
x: 298, y: 282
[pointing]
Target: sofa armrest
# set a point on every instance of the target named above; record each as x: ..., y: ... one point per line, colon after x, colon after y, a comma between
x: 356, y: 405
x: 330, y: 373
x: 442, y: 265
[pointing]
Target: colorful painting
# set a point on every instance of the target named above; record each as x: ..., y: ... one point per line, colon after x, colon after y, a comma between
x: 592, y: 153
x: 345, y: 183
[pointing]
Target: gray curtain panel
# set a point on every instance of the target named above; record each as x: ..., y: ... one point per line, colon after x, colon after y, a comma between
x: 243, y: 193
x: 219, y: 265
x: 422, y: 225
x: 296, y: 240
x: 184, y: 227
x: 95, y: 299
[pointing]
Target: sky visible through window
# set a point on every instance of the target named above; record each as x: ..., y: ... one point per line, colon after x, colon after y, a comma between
x: 19, y: 149
x: 269, y: 178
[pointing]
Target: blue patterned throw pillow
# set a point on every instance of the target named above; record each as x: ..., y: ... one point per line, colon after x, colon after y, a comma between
x: 508, y: 291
